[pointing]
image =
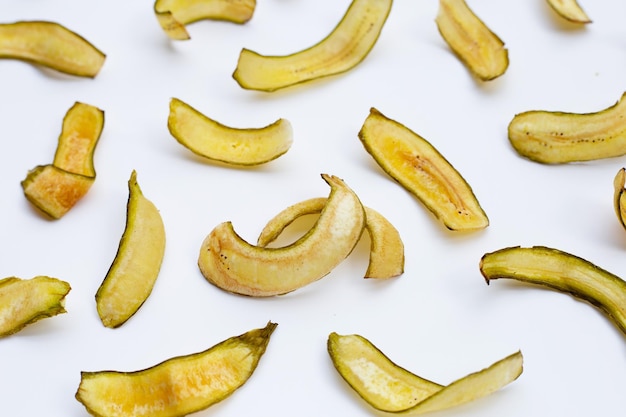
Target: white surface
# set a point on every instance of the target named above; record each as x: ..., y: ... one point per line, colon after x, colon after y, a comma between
x: 439, y: 320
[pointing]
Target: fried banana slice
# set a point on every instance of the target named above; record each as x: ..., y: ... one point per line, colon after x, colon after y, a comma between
x: 386, y: 249
x: 50, y: 45
x: 173, y: 15
x: 390, y: 388
x: 344, y: 48
x: 563, y: 272
x: 136, y: 266
x: 570, y: 10
x: 232, y: 264
x: 213, y: 140
x: 55, y: 188
x: 554, y: 137
x: 481, y: 50
x: 178, y: 386
x: 25, y: 301
x: 416, y: 165
x: 619, y: 196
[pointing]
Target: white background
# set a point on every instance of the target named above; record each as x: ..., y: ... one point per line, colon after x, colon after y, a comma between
x: 439, y: 320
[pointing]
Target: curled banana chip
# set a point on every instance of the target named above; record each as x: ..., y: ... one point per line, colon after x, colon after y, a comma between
x: 173, y: 15
x: 619, y: 196
x: 213, y: 140
x: 570, y: 10
x: 344, y: 48
x: 232, y: 264
x: 554, y: 137
x: 51, y: 45
x: 386, y: 249
x: 481, y: 50
x: 391, y: 388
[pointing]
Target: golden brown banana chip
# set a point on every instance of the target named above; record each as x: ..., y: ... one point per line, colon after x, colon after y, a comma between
x: 570, y: 10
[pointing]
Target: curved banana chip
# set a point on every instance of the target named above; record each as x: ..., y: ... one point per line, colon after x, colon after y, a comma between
x: 391, y: 388
x: 211, y: 139
x: 51, y: 45
x: 416, y: 165
x: 344, y: 48
x: 570, y: 10
x: 178, y: 386
x: 481, y: 50
x: 386, y: 250
x: 25, y: 301
x: 173, y: 15
x: 232, y: 264
x: 559, y: 137
x: 136, y: 266
x: 563, y: 272
x: 619, y: 196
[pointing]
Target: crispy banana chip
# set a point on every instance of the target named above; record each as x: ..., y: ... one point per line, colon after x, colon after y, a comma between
x: 416, y: 165
x: 173, y: 15
x: 386, y: 250
x: 136, y: 266
x: 553, y: 137
x: 213, y: 140
x: 344, y: 48
x: 563, y: 272
x: 391, y: 388
x: 25, y: 301
x: 178, y: 386
x: 619, y: 196
x: 55, y: 188
x: 570, y: 10
x: 481, y: 50
x: 50, y: 45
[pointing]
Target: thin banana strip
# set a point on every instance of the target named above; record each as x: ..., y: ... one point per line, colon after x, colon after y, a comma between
x: 390, y: 388
x: 386, y: 249
x: 554, y: 137
x: 563, y: 272
x: 174, y: 15
x: 51, y: 45
x: 213, y: 140
x: 619, y: 196
x: 232, y: 264
x: 570, y: 10
x: 344, y: 48
x: 481, y: 50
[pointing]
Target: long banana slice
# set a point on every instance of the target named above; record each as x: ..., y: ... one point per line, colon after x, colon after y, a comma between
x: 416, y: 165
x: 563, y: 272
x: 57, y: 187
x: 344, y: 48
x: 173, y: 15
x: 178, y: 386
x: 232, y: 264
x: 570, y: 10
x: 386, y: 249
x: 481, y: 50
x: 211, y: 139
x: 391, y: 388
x: 136, y: 266
x: 553, y: 137
x: 51, y: 45
x: 619, y: 196
x: 25, y: 301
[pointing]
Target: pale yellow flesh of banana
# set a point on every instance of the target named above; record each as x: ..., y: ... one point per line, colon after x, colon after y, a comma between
x: 136, y: 266
x: 232, y: 264
x: 570, y: 10
x: 562, y: 272
x: 386, y: 249
x: 25, y: 301
x: 619, y: 196
x: 391, y: 388
x: 50, y: 45
x: 344, y: 48
x: 416, y: 165
x: 481, y: 50
x: 173, y: 15
x: 215, y: 141
x: 178, y: 386
x: 553, y: 137
x: 55, y: 188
